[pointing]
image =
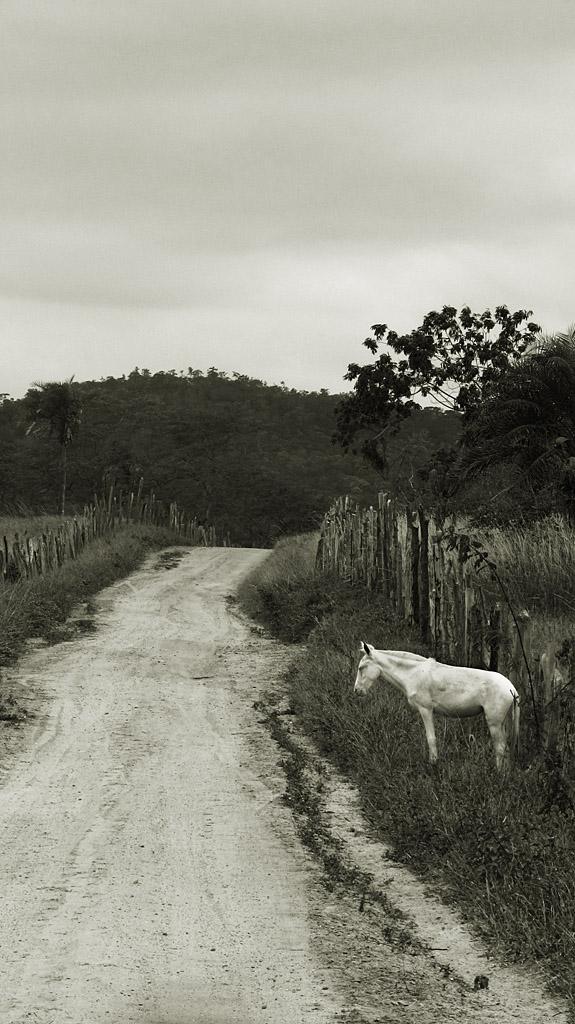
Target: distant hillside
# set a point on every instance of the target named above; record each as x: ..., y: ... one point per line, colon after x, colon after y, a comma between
x: 256, y: 460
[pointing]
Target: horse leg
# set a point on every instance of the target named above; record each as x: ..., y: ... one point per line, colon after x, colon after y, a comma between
x: 497, y: 731
x: 429, y: 725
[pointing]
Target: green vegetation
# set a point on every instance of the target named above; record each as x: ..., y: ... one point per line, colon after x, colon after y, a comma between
x: 537, y: 562
x: 28, y: 524
x: 497, y: 444
x: 527, y: 420
x: 505, y: 449
x: 255, y: 461
x: 55, y: 409
x: 283, y: 594
x: 501, y: 847
x: 454, y: 358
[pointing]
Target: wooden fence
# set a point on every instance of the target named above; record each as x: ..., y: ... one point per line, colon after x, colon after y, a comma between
x: 26, y: 557
x: 433, y: 578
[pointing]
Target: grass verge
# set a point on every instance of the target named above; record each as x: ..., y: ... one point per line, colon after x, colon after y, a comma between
x: 37, y: 607
x: 284, y: 594
x: 502, y: 848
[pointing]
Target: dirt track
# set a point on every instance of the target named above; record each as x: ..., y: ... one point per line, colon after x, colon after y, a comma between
x: 151, y: 871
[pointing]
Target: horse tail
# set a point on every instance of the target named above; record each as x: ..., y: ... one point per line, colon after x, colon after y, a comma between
x: 515, y: 716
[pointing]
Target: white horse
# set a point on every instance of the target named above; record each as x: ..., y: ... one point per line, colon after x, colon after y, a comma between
x: 451, y: 691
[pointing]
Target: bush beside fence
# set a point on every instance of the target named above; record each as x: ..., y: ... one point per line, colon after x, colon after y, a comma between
x: 429, y: 573
x: 28, y: 557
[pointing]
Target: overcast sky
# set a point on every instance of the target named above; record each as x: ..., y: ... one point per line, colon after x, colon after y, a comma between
x: 251, y: 183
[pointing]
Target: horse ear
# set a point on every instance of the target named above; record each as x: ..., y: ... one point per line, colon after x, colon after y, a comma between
x: 366, y: 648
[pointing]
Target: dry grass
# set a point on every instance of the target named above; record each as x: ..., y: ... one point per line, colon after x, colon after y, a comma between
x: 283, y: 592
x: 537, y: 562
x: 291, y: 558
x: 31, y: 525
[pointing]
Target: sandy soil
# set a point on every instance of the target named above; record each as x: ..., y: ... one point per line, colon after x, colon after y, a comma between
x: 151, y: 870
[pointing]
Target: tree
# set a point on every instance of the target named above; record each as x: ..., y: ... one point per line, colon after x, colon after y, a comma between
x: 449, y: 360
x: 258, y: 457
x: 57, y: 408
x: 527, y: 420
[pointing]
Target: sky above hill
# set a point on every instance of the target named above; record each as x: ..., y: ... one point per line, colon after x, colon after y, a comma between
x: 249, y: 184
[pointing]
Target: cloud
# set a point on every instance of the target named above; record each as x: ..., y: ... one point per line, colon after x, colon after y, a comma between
x: 338, y: 162
x: 285, y: 317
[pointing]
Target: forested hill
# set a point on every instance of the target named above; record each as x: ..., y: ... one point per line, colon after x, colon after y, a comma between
x: 256, y: 460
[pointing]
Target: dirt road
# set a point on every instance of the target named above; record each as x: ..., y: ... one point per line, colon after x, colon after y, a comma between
x: 150, y: 869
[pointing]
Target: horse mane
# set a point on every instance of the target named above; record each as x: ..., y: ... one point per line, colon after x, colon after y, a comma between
x: 404, y: 654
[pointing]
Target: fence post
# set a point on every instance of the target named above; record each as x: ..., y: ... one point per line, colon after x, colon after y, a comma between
x: 434, y: 586
x: 414, y: 567
x: 521, y: 675
x: 423, y: 585
x: 494, y: 637
x: 476, y: 657
x: 553, y: 682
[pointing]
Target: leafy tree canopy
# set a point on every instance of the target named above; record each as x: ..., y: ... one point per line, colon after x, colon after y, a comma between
x: 527, y: 420
x: 449, y: 360
x: 256, y: 460
x: 56, y: 407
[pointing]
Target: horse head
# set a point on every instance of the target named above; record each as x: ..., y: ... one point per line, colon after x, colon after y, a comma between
x: 367, y: 672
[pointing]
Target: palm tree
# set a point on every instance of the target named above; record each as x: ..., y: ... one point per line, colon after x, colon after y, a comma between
x: 527, y: 419
x: 56, y: 407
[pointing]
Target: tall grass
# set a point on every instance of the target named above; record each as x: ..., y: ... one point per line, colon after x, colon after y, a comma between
x: 30, y: 523
x: 502, y: 846
x: 283, y: 592
x: 538, y: 564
